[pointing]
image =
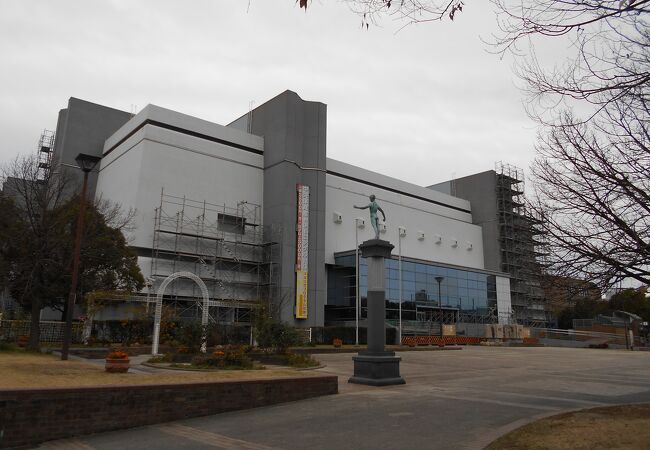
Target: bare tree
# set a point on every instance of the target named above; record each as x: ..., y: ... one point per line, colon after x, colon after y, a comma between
x: 592, y: 171
x: 38, y: 246
x: 37, y: 197
x: 607, y: 59
x: 592, y: 185
x: 407, y: 11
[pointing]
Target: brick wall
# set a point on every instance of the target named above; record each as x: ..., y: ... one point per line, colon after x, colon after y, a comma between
x: 30, y: 416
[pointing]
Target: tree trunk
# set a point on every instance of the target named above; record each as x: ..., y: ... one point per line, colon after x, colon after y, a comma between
x: 35, y: 326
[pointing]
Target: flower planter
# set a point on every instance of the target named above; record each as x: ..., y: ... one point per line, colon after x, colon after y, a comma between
x: 23, y: 341
x: 337, y: 343
x: 117, y: 365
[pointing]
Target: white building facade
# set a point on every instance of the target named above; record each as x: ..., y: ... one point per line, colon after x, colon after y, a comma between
x: 258, y: 211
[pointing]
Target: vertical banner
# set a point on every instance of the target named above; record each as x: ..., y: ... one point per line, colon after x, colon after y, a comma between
x: 302, y: 251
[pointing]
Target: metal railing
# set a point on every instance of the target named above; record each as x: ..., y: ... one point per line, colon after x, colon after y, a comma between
x: 51, y: 331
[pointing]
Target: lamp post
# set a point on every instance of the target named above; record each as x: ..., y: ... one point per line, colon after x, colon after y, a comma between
x: 86, y: 163
x: 399, y: 246
x: 358, y: 223
x: 439, y: 280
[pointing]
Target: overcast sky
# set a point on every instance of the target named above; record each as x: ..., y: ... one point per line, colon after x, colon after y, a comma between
x: 425, y: 104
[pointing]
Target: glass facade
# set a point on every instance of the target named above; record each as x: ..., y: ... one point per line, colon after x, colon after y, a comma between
x: 460, y: 290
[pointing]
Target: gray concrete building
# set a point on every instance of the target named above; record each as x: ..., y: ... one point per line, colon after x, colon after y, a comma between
x: 512, y: 241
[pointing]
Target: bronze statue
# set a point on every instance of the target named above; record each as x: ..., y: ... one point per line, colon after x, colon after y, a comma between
x: 374, y: 220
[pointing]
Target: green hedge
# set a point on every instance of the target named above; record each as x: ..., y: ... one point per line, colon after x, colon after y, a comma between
x: 185, y: 333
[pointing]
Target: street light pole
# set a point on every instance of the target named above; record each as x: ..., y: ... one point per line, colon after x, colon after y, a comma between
x: 86, y: 163
x: 356, y: 295
x: 400, y: 230
x: 439, y: 280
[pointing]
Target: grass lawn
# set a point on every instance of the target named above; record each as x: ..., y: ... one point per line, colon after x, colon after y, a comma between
x: 614, y: 427
x: 19, y: 369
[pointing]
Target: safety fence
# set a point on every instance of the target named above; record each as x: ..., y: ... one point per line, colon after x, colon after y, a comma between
x: 575, y: 338
x: 51, y: 331
x: 441, y: 340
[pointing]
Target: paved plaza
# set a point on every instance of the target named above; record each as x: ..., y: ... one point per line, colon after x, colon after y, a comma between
x: 452, y: 400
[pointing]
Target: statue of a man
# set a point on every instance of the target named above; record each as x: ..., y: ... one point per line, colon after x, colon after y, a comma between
x: 374, y: 220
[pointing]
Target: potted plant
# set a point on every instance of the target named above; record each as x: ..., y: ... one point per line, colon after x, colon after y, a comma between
x: 23, y: 341
x: 117, y: 362
x: 337, y: 343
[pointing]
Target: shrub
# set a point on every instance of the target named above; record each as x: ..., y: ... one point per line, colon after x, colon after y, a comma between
x: 166, y: 358
x: 7, y: 347
x: 190, y: 335
x: 228, y: 358
x: 276, y: 335
x: 124, y: 331
x: 301, y: 360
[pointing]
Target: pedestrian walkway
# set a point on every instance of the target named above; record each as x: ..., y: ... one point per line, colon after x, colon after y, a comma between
x: 452, y: 400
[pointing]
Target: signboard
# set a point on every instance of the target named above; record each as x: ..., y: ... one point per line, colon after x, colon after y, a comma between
x: 302, y: 251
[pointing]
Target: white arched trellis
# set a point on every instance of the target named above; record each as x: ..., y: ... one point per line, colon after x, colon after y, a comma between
x: 159, y: 299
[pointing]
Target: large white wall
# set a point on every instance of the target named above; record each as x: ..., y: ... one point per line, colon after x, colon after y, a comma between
x: 152, y: 159
x: 401, y: 211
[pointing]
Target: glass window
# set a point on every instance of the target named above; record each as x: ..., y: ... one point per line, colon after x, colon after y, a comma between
x: 408, y: 276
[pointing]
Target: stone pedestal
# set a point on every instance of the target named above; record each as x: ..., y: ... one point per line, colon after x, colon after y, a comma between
x: 376, y: 366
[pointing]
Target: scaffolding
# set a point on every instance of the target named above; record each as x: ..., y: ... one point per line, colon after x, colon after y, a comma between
x: 226, y: 246
x: 44, y: 153
x: 521, y: 242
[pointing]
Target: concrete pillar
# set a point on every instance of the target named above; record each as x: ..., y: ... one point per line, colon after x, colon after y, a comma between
x: 375, y: 366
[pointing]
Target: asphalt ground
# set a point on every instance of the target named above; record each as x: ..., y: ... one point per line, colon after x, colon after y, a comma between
x: 452, y: 400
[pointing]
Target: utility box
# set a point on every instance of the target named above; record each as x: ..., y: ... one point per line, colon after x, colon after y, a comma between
x: 449, y: 330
